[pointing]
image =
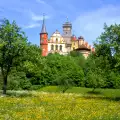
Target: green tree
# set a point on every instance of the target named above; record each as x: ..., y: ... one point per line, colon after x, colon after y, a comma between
x: 95, y: 80
x: 95, y: 76
x: 64, y: 81
x: 28, y: 73
x: 75, y: 53
x: 79, y: 58
x: 113, y: 80
x: 63, y: 71
x: 107, y: 50
x: 108, y: 45
x: 12, y: 45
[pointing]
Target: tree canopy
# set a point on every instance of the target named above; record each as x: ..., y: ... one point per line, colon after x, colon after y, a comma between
x: 23, y: 67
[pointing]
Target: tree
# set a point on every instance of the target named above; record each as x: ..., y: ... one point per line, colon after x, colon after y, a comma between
x: 12, y: 45
x: 33, y: 64
x: 79, y: 58
x: 64, y: 81
x: 28, y: 73
x: 63, y: 71
x: 94, y: 74
x: 107, y: 54
x: 75, y: 53
x: 108, y: 45
x: 95, y: 80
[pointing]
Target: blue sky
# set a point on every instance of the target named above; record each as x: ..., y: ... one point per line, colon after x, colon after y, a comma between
x: 87, y: 16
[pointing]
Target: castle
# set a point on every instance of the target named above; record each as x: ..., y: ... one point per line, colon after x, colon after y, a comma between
x: 64, y: 43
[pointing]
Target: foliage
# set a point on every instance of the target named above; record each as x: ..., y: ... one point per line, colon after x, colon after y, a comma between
x: 68, y: 106
x: 64, y: 66
x: 64, y: 81
x: 108, y: 44
x: 23, y: 67
x: 113, y: 80
x: 94, y: 74
x: 75, y: 53
x: 107, y: 54
x: 12, y: 45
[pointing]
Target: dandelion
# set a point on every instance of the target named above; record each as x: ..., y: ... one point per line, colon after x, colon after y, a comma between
x: 57, y: 106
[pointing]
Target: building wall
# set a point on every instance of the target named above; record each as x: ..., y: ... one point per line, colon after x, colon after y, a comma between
x: 50, y: 50
x: 44, y: 43
x: 56, y: 40
x: 74, y: 45
x: 44, y: 50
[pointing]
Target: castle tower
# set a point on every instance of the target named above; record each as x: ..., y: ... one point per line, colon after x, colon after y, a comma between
x: 44, y: 39
x: 67, y: 33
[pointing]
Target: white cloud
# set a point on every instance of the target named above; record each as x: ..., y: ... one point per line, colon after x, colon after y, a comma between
x: 33, y: 25
x: 34, y: 20
x: 41, y: 1
x: 30, y: 11
x: 90, y: 25
x: 38, y: 17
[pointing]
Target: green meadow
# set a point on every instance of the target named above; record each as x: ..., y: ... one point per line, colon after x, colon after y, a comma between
x: 49, y: 103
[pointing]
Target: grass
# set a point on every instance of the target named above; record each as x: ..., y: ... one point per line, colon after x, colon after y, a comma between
x: 76, y: 104
x: 108, y: 93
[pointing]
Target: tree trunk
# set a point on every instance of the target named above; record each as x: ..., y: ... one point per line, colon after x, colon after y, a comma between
x: 4, y: 85
x: 93, y: 90
x: 64, y: 89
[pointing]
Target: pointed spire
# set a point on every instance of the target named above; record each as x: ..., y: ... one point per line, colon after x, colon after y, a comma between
x: 43, y: 25
x: 67, y: 18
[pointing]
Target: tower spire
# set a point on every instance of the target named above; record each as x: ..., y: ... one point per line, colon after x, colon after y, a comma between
x: 43, y: 25
x: 67, y: 18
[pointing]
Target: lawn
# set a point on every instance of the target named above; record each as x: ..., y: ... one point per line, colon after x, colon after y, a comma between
x: 108, y: 93
x: 51, y: 105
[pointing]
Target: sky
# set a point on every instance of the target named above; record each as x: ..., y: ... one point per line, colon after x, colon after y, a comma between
x: 87, y: 16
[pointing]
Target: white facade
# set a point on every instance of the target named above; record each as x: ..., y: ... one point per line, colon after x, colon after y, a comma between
x: 57, y: 44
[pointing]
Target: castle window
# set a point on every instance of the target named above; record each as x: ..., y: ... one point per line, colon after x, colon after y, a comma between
x: 56, y: 47
x: 52, y: 47
x: 60, y: 47
x: 56, y: 40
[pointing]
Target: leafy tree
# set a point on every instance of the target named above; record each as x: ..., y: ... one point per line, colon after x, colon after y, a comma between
x: 107, y: 56
x: 95, y: 76
x: 95, y: 80
x: 12, y: 44
x: 108, y: 45
x: 63, y: 71
x: 64, y: 81
x: 17, y: 81
x: 113, y: 80
x: 78, y: 57
x: 75, y: 53
x: 33, y: 64
x: 27, y: 74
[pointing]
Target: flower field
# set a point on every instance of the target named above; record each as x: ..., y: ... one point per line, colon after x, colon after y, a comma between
x: 57, y: 106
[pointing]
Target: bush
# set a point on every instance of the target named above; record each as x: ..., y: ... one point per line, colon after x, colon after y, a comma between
x: 64, y: 82
x: 18, y: 81
x: 113, y: 80
x: 25, y: 84
x: 94, y: 80
x: 35, y: 87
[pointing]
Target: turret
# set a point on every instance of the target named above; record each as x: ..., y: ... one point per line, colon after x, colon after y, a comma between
x: 67, y: 33
x: 44, y: 39
x: 73, y: 38
x: 67, y: 29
